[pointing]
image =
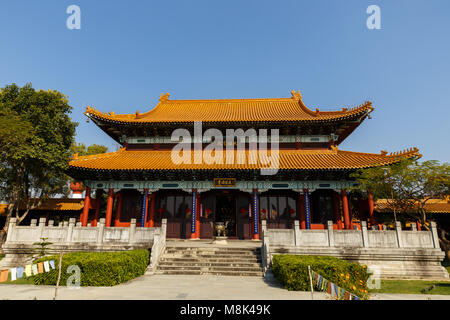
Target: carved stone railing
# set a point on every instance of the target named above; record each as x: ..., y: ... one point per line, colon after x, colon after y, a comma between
x: 71, y: 236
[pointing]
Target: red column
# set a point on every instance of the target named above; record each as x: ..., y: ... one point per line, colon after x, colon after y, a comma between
x: 109, y: 207
x: 371, y: 206
x: 98, y: 197
x: 337, y: 210
x: 151, y: 222
x: 87, y: 204
x: 301, y: 211
x: 345, y: 209
x: 118, y: 209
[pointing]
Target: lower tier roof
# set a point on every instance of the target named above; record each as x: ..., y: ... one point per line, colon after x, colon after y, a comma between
x: 161, y: 160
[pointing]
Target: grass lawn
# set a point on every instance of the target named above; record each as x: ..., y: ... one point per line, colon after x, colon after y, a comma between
x: 412, y: 287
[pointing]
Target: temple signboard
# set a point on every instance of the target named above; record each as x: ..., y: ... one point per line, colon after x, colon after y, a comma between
x: 225, y: 182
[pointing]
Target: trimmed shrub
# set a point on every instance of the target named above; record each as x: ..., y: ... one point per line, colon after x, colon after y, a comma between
x: 97, y: 268
x: 292, y: 272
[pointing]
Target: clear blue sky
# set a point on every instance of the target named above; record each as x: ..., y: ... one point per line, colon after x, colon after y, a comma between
x: 128, y: 52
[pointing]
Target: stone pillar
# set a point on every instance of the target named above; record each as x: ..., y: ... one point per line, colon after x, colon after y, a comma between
x: 42, y: 222
x: 255, y: 216
x: 109, y: 207
x: 87, y: 204
x: 365, y: 234
x: 70, y: 229
x: 413, y: 226
x: 98, y: 197
x: 33, y: 223
x: 194, y: 214
x: 434, y: 234
x: 101, y: 230
x: 345, y: 209
x: 301, y: 211
x: 11, y: 227
x: 330, y: 234
x: 371, y: 207
x: 307, y: 209
x: 118, y: 209
x: 297, y: 232
x: 132, y: 231
x: 398, y: 230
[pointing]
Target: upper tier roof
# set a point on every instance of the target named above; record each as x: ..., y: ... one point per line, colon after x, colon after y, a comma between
x: 231, y: 110
x: 333, y: 159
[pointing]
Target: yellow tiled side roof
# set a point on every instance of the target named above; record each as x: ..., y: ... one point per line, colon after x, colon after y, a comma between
x: 230, y: 110
x: 62, y: 204
x: 432, y: 205
x: 288, y: 159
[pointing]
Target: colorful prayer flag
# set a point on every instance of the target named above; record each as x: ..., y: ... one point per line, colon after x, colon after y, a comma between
x: 52, y: 264
x: 4, y: 275
x: 28, y: 272
x: 19, y: 272
x: 329, y: 288
x: 40, y: 267
x: 347, y: 295
x: 46, y: 266
x: 13, y: 274
x: 34, y: 267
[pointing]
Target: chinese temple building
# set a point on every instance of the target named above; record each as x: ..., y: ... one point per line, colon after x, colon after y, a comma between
x: 310, y: 183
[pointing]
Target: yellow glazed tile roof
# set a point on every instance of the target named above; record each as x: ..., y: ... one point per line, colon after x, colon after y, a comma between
x: 288, y: 159
x: 62, y: 204
x: 431, y: 206
x: 230, y: 110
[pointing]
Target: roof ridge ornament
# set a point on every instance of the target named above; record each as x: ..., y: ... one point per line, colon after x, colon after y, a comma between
x: 296, y: 95
x: 383, y: 152
x: 164, y: 97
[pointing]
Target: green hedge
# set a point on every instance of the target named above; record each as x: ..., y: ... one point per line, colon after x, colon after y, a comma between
x: 292, y: 272
x: 97, y: 268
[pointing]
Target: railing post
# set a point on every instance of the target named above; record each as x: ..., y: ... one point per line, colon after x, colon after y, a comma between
x: 413, y: 227
x: 297, y: 233
x: 163, y: 228
x: 132, y: 230
x: 364, y: 233
x: 101, y: 230
x: 33, y: 223
x: 41, y: 226
x: 330, y: 233
x: 11, y: 229
x: 434, y: 235
x: 398, y: 230
x: 70, y: 229
x: 51, y: 223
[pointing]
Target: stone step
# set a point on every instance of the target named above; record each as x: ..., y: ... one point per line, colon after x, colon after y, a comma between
x: 211, y: 273
x: 215, y: 252
x: 214, y: 256
x: 211, y: 260
x: 208, y: 268
x: 209, y: 264
x: 215, y: 249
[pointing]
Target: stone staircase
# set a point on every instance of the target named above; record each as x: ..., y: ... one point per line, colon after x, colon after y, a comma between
x: 211, y: 260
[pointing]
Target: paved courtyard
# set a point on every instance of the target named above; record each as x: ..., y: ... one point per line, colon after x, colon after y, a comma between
x: 168, y: 287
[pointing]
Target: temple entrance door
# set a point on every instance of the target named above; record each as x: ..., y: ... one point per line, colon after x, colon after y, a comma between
x: 226, y: 211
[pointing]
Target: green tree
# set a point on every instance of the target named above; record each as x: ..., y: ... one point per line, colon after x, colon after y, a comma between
x: 407, y: 185
x: 36, y: 134
x: 81, y: 150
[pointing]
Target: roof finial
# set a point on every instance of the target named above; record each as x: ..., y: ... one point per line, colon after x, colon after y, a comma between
x: 164, y: 97
x: 296, y: 95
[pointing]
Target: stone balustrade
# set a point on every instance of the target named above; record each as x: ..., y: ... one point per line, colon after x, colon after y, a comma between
x: 407, y: 254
